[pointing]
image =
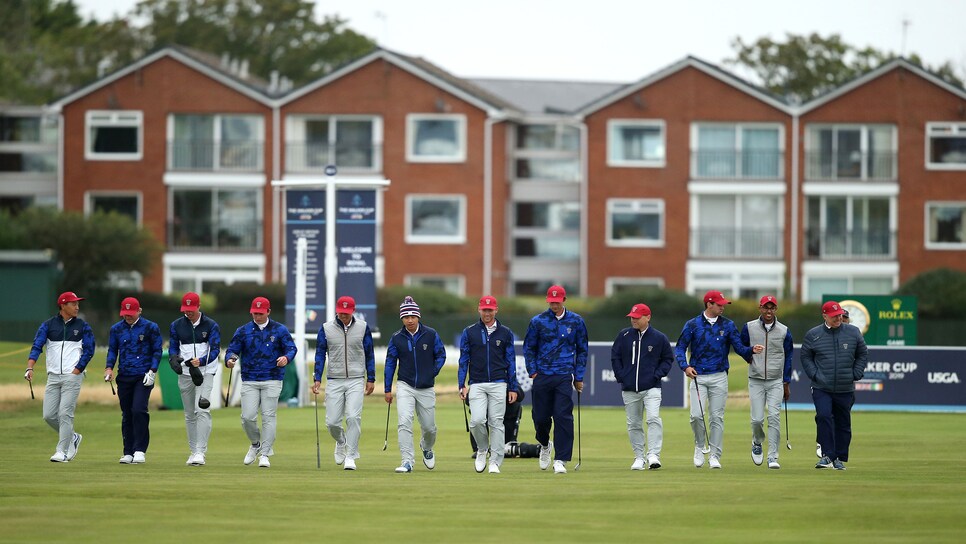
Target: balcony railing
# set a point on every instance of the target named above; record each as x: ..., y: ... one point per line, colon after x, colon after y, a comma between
x: 314, y: 157
x: 28, y: 161
x: 862, y: 244
x: 224, y: 236
x: 208, y: 155
x: 733, y: 164
x: 850, y: 166
x: 717, y: 243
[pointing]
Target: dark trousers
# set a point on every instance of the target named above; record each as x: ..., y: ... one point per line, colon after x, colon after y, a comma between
x: 553, y: 406
x: 133, y: 396
x: 833, y: 421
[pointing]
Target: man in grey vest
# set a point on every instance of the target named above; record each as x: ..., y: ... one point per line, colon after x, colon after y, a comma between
x: 769, y: 373
x: 347, y: 341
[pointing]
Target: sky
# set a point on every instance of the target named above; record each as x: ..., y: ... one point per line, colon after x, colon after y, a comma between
x: 625, y: 40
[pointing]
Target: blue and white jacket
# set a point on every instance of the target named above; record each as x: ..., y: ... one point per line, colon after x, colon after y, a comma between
x: 556, y: 346
x: 259, y: 349
x: 136, y: 348
x: 488, y: 357
x: 201, y: 341
x: 69, y: 345
x: 709, y: 344
x: 641, y: 359
x: 420, y: 357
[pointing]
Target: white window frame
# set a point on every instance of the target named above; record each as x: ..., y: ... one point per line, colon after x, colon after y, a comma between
x: 948, y: 246
x: 639, y: 205
x: 612, y: 282
x: 949, y: 129
x: 295, y: 134
x: 848, y: 272
x: 415, y: 280
x: 459, y: 238
x: 738, y: 130
x: 198, y: 267
x: 90, y: 196
x: 113, y: 119
x: 864, y: 147
x: 217, y: 141
x: 413, y: 118
x: 613, y: 126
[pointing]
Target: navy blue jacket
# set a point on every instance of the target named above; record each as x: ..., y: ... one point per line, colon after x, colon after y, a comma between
x: 188, y: 341
x: 488, y: 357
x: 69, y: 345
x: 136, y: 348
x: 641, y: 360
x: 420, y: 356
x: 709, y: 344
x: 556, y: 346
x: 259, y: 349
x: 834, y: 359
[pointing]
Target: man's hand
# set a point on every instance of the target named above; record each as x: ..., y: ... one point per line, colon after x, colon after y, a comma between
x: 108, y: 374
x: 464, y: 391
x: 281, y: 361
x: 787, y: 392
x: 316, y: 387
x: 29, y: 375
x: 369, y: 387
x: 757, y: 348
x: 230, y: 363
x: 691, y: 372
x: 389, y: 398
x: 511, y: 397
x: 579, y: 386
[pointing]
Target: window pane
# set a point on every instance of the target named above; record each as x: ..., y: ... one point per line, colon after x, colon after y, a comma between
x: 19, y: 129
x: 638, y: 143
x: 435, y: 217
x: 124, y: 205
x: 114, y: 139
x: 193, y: 146
x: 192, y: 221
x: 872, y: 286
x: 716, y: 151
x: 239, y: 142
x: 819, y: 287
x: 548, y: 169
x: 760, y: 153
x: 557, y: 216
x: 436, y: 137
x: 948, y: 150
x: 946, y: 224
x: 353, y: 144
x: 237, y: 216
x: 849, y: 156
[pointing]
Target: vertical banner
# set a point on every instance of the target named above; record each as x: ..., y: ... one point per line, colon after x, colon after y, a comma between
x: 305, y: 218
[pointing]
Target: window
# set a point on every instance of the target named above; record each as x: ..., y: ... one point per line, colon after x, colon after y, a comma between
x: 635, y: 223
x: 547, y: 230
x: 350, y: 142
x: 215, y: 219
x: 435, y: 219
x: 114, y: 135
x: 850, y: 152
x: 435, y: 138
x: 737, y: 226
x: 945, y: 225
x: 743, y: 151
x: 735, y: 278
x: 638, y: 143
x: 849, y: 227
x: 216, y: 142
x: 946, y: 146
x: 615, y: 285
x: 546, y: 152
x: 450, y: 284
x: 818, y: 287
x: 125, y: 204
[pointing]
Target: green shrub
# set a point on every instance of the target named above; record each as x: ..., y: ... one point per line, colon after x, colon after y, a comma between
x: 941, y: 293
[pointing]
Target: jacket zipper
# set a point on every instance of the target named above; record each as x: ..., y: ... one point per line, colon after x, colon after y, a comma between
x: 412, y: 352
x: 486, y: 346
x: 637, y: 362
x: 767, y: 330
x: 345, y: 348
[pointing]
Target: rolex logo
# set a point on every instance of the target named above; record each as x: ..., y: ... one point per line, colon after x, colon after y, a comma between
x: 896, y: 304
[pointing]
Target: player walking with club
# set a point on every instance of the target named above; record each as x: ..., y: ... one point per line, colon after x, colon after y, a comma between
x: 69, y: 342
x: 709, y: 336
x: 347, y: 342
x: 769, y: 374
x: 194, y: 344
x: 641, y: 356
x: 555, y: 350
x: 488, y: 359
x: 264, y: 346
x: 418, y: 352
x: 134, y: 344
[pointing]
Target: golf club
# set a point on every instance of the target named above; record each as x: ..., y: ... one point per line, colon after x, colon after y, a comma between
x: 31, y: 389
x: 707, y: 438
x: 466, y: 419
x: 228, y: 394
x: 318, y: 446
x: 577, y: 466
x: 112, y: 386
x: 788, y: 443
x: 386, y: 443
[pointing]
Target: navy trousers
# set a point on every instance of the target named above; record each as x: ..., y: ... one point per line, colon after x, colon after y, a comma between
x: 133, y: 396
x: 833, y: 421
x: 553, y: 406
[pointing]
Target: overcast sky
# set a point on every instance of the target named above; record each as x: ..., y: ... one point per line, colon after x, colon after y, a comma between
x: 625, y: 40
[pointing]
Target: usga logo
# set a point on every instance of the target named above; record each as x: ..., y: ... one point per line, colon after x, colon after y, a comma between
x: 942, y: 377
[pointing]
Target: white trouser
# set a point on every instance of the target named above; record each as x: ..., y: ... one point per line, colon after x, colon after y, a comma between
x: 197, y: 420
x: 343, y: 399
x: 635, y: 404
x: 714, y: 394
x: 766, y: 393
x: 60, y: 400
x: 487, y: 407
x: 260, y: 397
x: 423, y: 403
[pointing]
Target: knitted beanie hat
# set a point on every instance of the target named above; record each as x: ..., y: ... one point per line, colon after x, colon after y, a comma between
x: 408, y: 307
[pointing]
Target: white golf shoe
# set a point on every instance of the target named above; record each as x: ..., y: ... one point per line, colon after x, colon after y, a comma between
x: 714, y: 462
x: 756, y: 454
x: 698, y: 457
x: 773, y: 463
x: 196, y: 459
x: 404, y: 468
x: 138, y: 458
x: 339, y: 453
x: 58, y: 457
x: 252, y: 453
x: 264, y: 462
x: 494, y: 468
x: 545, y: 455
x: 653, y: 461
x: 559, y: 467
x: 480, y: 462
x: 126, y: 459
x: 350, y: 464
x: 429, y: 459
x: 74, y: 446
x: 638, y: 464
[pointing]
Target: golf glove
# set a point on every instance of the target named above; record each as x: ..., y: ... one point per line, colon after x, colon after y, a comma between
x: 175, y: 363
x: 197, y: 377
x: 149, y: 378
x: 26, y: 375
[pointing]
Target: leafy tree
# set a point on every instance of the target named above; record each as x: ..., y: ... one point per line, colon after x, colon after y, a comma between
x: 89, y: 248
x: 941, y: 292
x: 808, y: 66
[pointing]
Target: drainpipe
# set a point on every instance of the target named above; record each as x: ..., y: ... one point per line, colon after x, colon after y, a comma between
x: 794, y: 228
x: 488, y: 204
x: 277, y: 207
x: 584, y: 220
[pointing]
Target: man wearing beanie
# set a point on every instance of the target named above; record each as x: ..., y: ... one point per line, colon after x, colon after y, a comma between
x: 347, y: 342
x: 420, y: 355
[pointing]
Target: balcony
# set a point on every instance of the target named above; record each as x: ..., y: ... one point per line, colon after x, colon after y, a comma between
x: 37, y: 161
x: 863, y: 244
x: 192, y: 235
x: 731, y: 164
x: 314, y: 157
x: 850, y: 166
x: 725, y: 243
x: 214, y: 156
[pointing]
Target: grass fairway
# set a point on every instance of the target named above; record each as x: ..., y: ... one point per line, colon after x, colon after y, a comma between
x: 906, y: 483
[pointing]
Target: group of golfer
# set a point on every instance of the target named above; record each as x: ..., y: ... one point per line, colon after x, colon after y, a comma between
x: 555, y: 352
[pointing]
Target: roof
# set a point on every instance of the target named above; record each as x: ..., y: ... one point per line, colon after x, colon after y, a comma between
x: 535, y: 96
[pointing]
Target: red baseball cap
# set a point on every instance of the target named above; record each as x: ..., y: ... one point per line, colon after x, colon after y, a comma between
x: 639, y: 310
x: 832, y: 309
x: 488, y: 303
x: 766, y: 299
x: 68, y: 296
x: 345, y: 305
x: 130, y: 306
x: 556, y: 293
x: 190, y: 302
x: 260, y: 305
x: 716, y: 297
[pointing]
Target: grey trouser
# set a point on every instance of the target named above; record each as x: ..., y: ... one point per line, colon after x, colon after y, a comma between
x: 714, y: 394
x: 60, y: 400
x: 423, y: 403
x: 197, y: 420
x: 635, y: 404
x: 766, y: 393
x: 343, y: 398
x: 487, y: 407
x: 260, y: 397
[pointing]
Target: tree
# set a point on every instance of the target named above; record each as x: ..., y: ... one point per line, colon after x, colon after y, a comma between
x: 941, y: 292
x: 89, y: 248
x: 809, y: 66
